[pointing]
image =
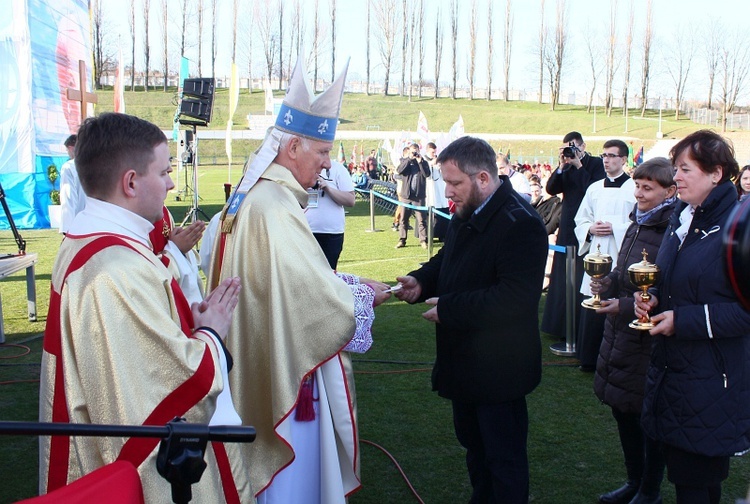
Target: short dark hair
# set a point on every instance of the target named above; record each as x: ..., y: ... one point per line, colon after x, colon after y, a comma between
x: 658, y: 169
x: 431, y: 145
x: 622, y: 147
x: 471, y: 155
x: 709, y: 150
x: 70, y: 141
x: 573, y: 136
x: 111, y: 143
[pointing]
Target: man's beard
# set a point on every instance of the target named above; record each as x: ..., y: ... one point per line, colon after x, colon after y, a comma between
x: 469, y: 206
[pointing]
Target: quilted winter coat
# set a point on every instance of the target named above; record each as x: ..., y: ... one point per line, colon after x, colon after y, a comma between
x: 697, y: 394
x: 625, y: 353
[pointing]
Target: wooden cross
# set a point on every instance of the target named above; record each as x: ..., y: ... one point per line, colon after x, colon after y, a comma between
x: 81, y: 95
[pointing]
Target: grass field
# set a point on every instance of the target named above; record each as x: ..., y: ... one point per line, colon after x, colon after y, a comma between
x: 573, y: 447
x: 395, y: 113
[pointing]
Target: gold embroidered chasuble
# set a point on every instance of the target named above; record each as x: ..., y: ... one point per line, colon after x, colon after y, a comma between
x: 294, y: 316
x: 121, y: 357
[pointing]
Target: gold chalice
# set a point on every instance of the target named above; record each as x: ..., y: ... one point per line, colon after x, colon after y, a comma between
x: 643, y: 275
x: 597, y: 266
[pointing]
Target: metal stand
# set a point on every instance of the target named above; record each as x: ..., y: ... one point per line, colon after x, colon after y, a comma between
x: 372, y: 214
x: 195, y: 209
x: 19, y: 240
x: 180, y: 458
x: 568, y: 348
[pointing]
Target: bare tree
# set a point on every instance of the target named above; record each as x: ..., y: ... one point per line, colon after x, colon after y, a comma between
x: 281, y: 42
x: 131, y: 22
x: 235, y: 16
x: 646, y: 64
x: 246, y: 42
x: 542, y: 48
x: 184, y: 28
x: 385, y: 18
x: 404, y: 44
x: 367, y: 37
x: 420, y: 44
x: 628, y: 54
x: 213, y: 37
x: 556, y: 56
x: 594, y: 52
x: 490, y: 47
x: 98, y: 39
x: 734, y: 66
x: 472, y: 47
x: 714, y: 33
x: 146, y: 45
x: 412, y: 40
x: 508, y: 42
x: 316, y: 44
x: 266, y: 30
x: 611, y: 63
x: 438, y: 48
x: 454, y: 38
x: 297, y: 34
x: 165, y: 40
x: 332, y: 8
x: 678, y: 65
x: 199, y: 6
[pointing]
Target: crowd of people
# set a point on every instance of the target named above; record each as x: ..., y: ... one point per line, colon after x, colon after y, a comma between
x: 268, y: 342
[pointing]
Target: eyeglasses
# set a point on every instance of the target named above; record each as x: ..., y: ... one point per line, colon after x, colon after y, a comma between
x: 610, y: 155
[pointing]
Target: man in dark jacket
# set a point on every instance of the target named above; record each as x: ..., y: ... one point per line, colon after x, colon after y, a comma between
x: 577, y: 170
x: 484, y: 288
x: 414, y: 171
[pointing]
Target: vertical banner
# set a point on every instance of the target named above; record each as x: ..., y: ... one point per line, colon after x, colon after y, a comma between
x: 184, y: 74
x: 234, y: 96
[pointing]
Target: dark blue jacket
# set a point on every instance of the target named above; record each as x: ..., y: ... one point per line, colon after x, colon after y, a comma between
x: 489, y: 279
x: 698, y: 385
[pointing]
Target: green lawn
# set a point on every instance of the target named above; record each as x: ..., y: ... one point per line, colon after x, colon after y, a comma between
x: 395, y: 113
x: 573, y: 446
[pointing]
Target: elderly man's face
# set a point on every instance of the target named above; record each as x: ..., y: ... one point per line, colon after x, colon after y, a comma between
x: 313, y: 158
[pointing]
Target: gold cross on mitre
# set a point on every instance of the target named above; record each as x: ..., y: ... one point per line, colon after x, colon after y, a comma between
x: 81, y: 95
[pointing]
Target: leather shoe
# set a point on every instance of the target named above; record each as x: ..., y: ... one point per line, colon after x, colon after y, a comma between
x: 622, y: 495
x: 641, y: 498
x: 400, y: 245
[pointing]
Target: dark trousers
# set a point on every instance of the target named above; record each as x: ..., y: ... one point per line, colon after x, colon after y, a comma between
x: 644, y: 461
x: 421, y: 216
x: 697, y: 478
x: 494, y: 436
x: 332, y: 244
x: 589, y: 337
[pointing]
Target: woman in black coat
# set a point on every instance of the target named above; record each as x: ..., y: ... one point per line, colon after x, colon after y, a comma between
x: 625, y: 353
x: 697, y: 397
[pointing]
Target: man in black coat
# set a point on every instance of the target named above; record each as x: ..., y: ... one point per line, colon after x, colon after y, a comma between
x: 484, y: 288
x: 575, y: 173
x: 414, y: 171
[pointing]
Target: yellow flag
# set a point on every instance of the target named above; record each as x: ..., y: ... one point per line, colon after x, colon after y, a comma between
x: 234, y: 96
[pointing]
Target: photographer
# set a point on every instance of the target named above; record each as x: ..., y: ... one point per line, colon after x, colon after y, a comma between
x: 414, y: 171
x: 576, y: 171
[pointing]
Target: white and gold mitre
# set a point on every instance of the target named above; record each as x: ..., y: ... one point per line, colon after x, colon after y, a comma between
x: 304, y: 114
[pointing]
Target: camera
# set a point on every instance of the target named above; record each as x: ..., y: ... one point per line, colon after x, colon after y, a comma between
x: 570, y: 151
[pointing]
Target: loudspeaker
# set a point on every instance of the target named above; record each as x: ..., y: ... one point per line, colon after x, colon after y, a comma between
x: 197, y: 103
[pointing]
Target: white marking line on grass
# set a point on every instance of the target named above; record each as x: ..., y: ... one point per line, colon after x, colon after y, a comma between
x: 363, y: 263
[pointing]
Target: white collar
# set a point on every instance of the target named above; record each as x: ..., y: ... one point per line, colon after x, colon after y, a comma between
x: 103, y: 217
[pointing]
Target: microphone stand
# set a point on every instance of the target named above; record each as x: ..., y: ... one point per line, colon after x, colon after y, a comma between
x: 181, y: 451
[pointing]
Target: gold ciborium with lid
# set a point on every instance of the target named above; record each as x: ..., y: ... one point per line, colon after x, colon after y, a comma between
x: 643, y: 275
x: 597, y: 266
